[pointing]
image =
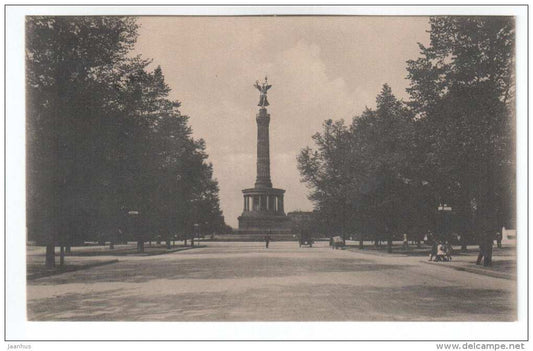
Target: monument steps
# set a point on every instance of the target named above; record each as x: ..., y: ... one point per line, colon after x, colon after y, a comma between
x: 255, y: 237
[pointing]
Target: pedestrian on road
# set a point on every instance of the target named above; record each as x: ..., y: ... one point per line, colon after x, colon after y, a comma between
x: 441, y: 252
x: 485, y: 250
x: 499, y: 239
x: 481, y: 251
x: 449, y: 250
x: 433, y: 252
x: 405, y: 242
x: 267, y: 240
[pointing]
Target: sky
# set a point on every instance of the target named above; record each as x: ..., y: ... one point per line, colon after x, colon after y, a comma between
x: 320, y: 67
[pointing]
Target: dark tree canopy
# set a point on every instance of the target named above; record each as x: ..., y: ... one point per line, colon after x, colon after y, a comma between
x: 462, y: 87
x: 451, y: 143
x: 104, y: 138
x: 359, y: 175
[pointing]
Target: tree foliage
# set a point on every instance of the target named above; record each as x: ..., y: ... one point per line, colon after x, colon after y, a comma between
x: 329, y: 173
x: 104, y: 138
x: 360, y: 175
x: 462, y: 87
x: 451, y: 143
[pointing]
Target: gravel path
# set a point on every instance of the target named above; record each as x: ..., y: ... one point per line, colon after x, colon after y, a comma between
x: 246, y: 282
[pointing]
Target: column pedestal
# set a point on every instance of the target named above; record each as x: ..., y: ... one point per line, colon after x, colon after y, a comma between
x: 267, y: 215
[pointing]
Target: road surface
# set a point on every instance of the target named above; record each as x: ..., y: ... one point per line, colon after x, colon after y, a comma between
x: 246, y: 282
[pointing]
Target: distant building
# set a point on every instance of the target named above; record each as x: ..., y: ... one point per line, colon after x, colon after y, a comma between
x: 301, y: 216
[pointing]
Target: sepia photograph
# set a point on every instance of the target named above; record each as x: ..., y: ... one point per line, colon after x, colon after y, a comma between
x: 269, y: 166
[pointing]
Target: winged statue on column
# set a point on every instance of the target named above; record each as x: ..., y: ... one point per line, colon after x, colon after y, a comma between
x: 263, y: 88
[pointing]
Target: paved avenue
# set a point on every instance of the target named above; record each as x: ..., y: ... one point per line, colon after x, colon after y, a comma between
x: 246, y: 282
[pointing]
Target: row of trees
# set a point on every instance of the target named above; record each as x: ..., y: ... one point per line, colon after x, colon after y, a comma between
x: 103, y: 139
x: 452, y: 143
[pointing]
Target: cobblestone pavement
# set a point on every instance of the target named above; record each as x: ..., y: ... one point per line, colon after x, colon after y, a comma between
x: 246, y: 282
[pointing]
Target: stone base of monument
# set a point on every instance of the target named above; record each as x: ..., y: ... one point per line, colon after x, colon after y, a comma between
x: 263, y: 212
x: 237, y: 236
x: 262, y: 223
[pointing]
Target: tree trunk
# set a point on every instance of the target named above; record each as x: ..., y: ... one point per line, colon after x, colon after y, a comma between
x: 168, y: 244
x: 50, y: 256
x: 343, y: 224
x: 389, y: 240
x: 140, y: 246
x: 361, y: 245
x: 467, y: 221
x: 62, y: 255
x: 487, y: 259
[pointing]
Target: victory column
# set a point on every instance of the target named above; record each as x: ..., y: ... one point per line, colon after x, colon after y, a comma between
x: 263, y: 211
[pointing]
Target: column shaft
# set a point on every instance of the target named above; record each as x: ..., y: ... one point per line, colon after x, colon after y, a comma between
x: 263, y: 150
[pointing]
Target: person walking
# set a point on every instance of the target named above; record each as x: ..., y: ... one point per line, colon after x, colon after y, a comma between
x: 267, y: 240
x: 433, y: 252
x: 449, y: 250
x: 499, y: 239
x: 485, y: 250
x: 482, y: 249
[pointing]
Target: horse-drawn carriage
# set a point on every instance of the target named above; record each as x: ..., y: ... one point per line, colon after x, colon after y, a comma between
x: 336, y: 242
x: 305, y: 239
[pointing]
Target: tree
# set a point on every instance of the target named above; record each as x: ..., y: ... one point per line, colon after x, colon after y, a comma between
x: 462, y: 90
x: 360, y: 176
x: 70, y: 62
x: 452, y: 144
x: 104, y: 138
x: 384, y: 140
x: 328, y: 173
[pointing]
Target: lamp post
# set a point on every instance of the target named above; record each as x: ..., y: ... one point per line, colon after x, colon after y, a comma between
x: 134, y: 227
x: 204, y: 231
x: 195, y: 231
x: 445, y: 210
x: 178, y: 207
